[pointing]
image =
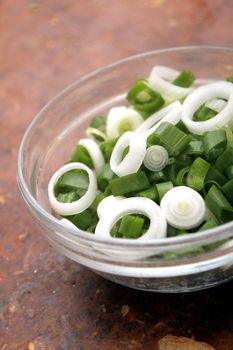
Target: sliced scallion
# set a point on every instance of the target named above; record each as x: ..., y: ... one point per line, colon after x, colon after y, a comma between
x: 129, y: 183
x: 170, y: 137
x: 156, y: 158
x: 197, y: 173
x: 131, y: 226
x: 225, y: 159
x: 184, y: 79
x: 219, y: 205
x: 163, y: 187
x: 228, y: 190
x: 214, y: 143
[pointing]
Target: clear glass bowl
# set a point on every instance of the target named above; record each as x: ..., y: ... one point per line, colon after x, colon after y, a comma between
x: 177, y: 264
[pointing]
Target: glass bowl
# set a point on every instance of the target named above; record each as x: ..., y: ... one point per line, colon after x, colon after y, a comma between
x: 178, y: 264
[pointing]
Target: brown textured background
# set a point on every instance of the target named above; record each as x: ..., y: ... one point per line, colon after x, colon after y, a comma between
x: 47, y: 301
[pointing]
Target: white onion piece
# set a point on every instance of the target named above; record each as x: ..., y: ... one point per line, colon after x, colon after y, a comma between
x: 172, y: 117
x: 157, y: 116
x: 217, y: 104
x: 118, y: 115
x: 201, y: 95
x: 161, y: 79
x: 96, y: 133
x: 133, y: 159
x: 68, y: 223
x: 107, y: 204
x: 183, y: 207
x: 95, y: 154
x: 134, y: 205
x: 156, y: 158
x: 82, y: 203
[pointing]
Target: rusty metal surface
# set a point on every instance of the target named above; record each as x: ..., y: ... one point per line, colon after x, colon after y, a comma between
x: 47, y: 301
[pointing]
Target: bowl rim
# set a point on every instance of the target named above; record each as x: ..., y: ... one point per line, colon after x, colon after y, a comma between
x: 207, y: 235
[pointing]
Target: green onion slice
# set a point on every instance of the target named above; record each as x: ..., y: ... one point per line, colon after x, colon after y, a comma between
x: 219, y: 205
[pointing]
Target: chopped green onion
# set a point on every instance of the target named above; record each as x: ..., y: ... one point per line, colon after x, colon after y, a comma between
x: 156, y: 176
x: 184, y: 79
x: 181, y: 176
x: 170, y: 137
x: 219, y: 205
x: 197, y: 173
x: 183, y: 207
x: 156, y: 158
x: 83, y: 220
x: 100, y: 196
x: 96, y: 133
x: 163, y: 188
x: 122, y: 119
x: 81, y: 155
x: 151, y: 193
x: 225, y: 159
x: 214, y: 143
x: 208, y: 225
x: 215, y: 175
x: 72, y: 181
x: 68, y: 197
x: 228, y: 190
x: 144, y: 98
x: 229, y: 172
x: 131, y: 226
x: 104, y: 177
x: 98, y: 122
x: 129, y: 183
x: 204, y: 113
x: 195, y: 148
x: 106, y: 148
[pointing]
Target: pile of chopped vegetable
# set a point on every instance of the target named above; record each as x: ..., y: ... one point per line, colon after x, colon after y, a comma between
x: 160, y: 166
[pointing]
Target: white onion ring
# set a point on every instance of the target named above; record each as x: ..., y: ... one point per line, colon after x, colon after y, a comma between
x: 133, y: 159
x: 172, y: 117
x: 156, y: 158
x: 217, y: 104
x: 202, y: 94
x: 82, y: 203
x: 160, y: 79
x: 107, y: 204
x: 183, y: 207
x: 134, y: 205
x: 157, y: 116
x: 117, y: 115
x: 95, y: 154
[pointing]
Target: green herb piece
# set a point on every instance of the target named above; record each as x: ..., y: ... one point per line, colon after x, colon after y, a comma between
x: 197, y: 173
x: 131, y: 226
x: 204, y: 113
x: 181, y: 176
x: 151, y: 193
x: 219, y: 205
x: 173, y: 231
x: 195, y: 148
x: 106, y: 148
x: 170, y: 137
x: 184, y: 79
x: 72, y: 181
x: 156, y: 176
x: 225, y: 159
x: 129, y: 183
x: 98, y: 121
x: 81, y: 155
x: 163, y: 188
x: 144, y: 98
x: 228, y: 190
x: 208, y: 225
x: 100, y: 196
x: 104, y: 177
x: 214, y: 143
x: 68, y: 197
x: 229, y: 172
x: 214, y: 175
x: 91, y: 229
x: 83, y: 220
